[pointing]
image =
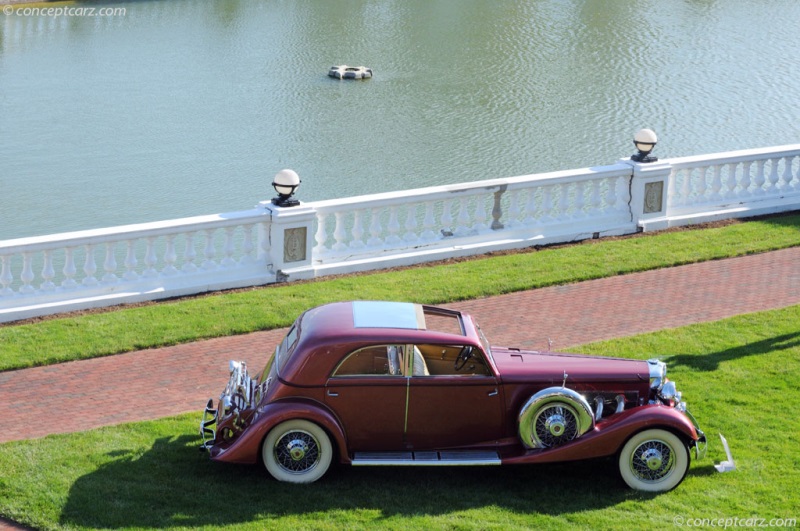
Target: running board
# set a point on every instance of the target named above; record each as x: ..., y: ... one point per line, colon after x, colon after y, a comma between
x: 452, y: 458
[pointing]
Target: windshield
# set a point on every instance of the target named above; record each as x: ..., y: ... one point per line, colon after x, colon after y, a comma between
x: 487, y: 348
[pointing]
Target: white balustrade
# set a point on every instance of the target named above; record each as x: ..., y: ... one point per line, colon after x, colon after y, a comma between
x: 132, y: 263
x: 453, y: 220
x: 149, y: 261
x: 748, y: 182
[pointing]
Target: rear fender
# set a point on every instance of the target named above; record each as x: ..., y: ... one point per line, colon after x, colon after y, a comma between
x: 610, y: 434
x: 247, y: 448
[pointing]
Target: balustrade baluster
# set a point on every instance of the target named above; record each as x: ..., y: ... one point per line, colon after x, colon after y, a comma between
x: 393, y: 227
x: 702, y: 185
x: 321, y: 236
x: 48, y: 272
x: 463, y: 218
x: 580, y: 200
x: 731, y: 181
x: 358, y: 231
x: 760, y: 179
x: 611, y: 196
x: 563, y: 201
x: 150, y: 258
x: 787, y: 174
x: 375, y: 229
x: 623, y: 193
x: 69, y: 269
x: 773, y: 176
x: 497, y: 211
x: 796, y: 185
x: 6, y: 277
x: 745, y: 181
x: 209, y: 252
x: 716, y: 183
x: 594, y: 199
x: 339, y: 233
x: 686, y: 187
x: 170, y: 256
x: 411, y: 224
x: 447, y: 218
x: 110, y: 265
x: 89, y: 267
x: 546, y: 215
x: 27, y: 275
x: 531, y: 213
x: 514, y: 211
x: 480, y: 215
x: 130, y: 261
x: 189, y: 254
x: 264, y: 244
x: 428, y: 223
x: 229, y: 248
x: 247, y: 245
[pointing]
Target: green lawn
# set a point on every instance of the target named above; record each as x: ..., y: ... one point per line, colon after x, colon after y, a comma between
x: 183, y: 321
x: 740, y: 376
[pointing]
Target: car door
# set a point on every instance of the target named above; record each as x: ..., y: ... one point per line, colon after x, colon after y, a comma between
x: 449, y: 408
x: 367, y: 392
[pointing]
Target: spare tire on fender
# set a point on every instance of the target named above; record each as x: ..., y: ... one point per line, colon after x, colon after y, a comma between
x: 554, y: 416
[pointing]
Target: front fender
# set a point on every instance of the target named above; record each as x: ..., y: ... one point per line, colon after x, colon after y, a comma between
x: 247, y: 447
x: 610, y: 434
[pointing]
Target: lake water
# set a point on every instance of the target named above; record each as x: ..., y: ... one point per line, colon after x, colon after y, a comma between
x: 187, y: 107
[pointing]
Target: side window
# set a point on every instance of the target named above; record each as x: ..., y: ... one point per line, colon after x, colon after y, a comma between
x: 381, y: 360
x: 454, y: 360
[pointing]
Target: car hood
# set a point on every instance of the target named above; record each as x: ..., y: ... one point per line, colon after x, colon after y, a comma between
x: 549, y: 367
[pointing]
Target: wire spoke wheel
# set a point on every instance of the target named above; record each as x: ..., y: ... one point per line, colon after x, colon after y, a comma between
x: 297, y: 451
x: 654, y: 461
x: 555, y: 424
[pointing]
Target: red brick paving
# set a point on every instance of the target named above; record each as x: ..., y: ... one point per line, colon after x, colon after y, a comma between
x: 155, y: 383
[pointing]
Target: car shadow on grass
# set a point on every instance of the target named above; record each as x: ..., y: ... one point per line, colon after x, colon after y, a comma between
x: 712, y: 361
x: 173, y: 484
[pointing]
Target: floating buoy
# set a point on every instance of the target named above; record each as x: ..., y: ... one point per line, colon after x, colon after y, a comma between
x: 350, y: 72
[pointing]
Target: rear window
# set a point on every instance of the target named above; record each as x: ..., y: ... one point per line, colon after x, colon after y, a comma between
x: 284, y: 351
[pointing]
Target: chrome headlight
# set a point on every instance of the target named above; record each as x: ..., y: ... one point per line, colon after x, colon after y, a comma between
x: 658, y: 373
x: 668, y: 391
x: 223, y: 407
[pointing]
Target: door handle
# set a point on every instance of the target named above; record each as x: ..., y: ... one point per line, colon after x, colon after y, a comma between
x: 331, y: 393
x: 493, y: 393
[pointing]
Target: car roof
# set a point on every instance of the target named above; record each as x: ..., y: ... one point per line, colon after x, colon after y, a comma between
x: 328, y: 332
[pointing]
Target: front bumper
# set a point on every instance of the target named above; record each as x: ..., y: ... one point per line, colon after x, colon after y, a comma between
x: 207, y: 432
x: 236, y: 400
x: 701, y: 444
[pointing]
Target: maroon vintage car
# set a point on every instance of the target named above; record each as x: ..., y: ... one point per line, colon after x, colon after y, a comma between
x: 389, y: 383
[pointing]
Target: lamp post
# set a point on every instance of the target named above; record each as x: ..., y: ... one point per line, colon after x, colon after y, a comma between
x: 644, y: 140
x: 285, y: 183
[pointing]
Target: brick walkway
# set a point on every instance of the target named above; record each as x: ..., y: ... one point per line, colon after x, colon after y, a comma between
x: 155, y: 383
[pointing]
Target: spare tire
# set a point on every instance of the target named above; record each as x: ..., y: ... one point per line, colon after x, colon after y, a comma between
x: 554, y: 416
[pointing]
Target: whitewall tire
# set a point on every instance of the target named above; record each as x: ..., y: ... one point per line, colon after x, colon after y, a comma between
x: 297, y: 451
x: 654, y: 461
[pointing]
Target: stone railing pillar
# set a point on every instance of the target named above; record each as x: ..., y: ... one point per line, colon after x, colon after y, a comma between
x: 649, y: 187
x: 291, y: 239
